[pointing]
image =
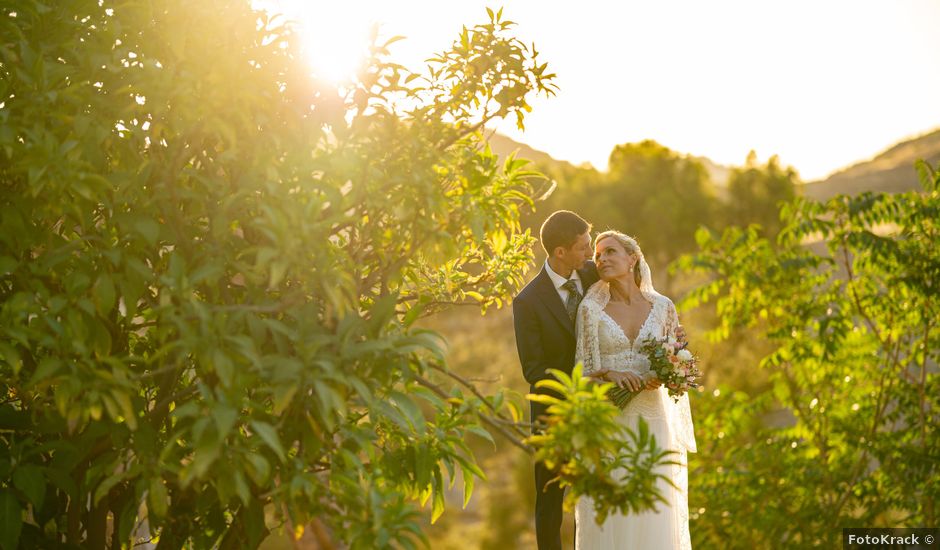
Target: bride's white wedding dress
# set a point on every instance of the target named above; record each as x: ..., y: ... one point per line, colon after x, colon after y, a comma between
x: 602, y: 344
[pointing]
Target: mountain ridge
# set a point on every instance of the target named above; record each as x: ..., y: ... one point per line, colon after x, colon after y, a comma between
x: 890, y: 171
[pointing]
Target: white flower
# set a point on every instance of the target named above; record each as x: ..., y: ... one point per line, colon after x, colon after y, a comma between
x: 684, y: 355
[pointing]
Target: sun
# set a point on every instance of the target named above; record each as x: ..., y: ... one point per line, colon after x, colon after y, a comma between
x: 335, y: 36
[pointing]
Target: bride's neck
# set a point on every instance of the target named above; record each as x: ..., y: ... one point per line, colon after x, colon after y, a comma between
x: 624, y: 289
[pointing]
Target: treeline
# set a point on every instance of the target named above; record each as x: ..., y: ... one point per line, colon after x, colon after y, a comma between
x: 662, y: 197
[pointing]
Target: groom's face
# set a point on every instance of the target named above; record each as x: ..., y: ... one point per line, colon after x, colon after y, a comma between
x: 578, y: 253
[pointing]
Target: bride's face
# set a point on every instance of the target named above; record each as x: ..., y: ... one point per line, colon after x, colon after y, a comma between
x: 612, y: 259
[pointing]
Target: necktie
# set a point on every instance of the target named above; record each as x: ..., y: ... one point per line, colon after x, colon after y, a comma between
x: 574, y: 298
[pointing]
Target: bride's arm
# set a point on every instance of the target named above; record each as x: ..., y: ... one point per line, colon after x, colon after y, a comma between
x: 671, y: 329
x: 587, y: 348
x: 681, y: 419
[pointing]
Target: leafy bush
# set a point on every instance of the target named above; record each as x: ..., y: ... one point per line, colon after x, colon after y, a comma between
x: 847, y: 435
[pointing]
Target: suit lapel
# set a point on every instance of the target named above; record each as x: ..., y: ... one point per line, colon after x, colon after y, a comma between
x: 552, y: 300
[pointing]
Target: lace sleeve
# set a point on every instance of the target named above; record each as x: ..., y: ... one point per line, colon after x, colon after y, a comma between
x: 672, y: 319
x: 587, y: 347
x: 587, y: 350
x: 680, y: 415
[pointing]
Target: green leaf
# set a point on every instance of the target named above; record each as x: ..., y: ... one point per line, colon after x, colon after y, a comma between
x: 123, y: 400
x: 411, y: 410
x: 223, y: 367
x: 467, y: 486
x: 241, y: 487
x: 470, y: 466
x: 259, y: 469
x: 48, y: 367
x: 552, y: 385
x: 29, y: 478
x: 282, y: 397
x: 480, y: 431
x: 225, y: 418
x: 104, y: 294
x: 148, y: 229
x: 127, y: 519
x: 11, y: 520
x: 437, y: 501
x: 545, y: 399
x: 381, y: 312
x: 12, y: 357
x: 254, y: 523
x: 268, y: 434
x: 157, y: 499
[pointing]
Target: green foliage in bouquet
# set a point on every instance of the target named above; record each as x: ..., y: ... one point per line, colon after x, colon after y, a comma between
x: 677, y: 380
x: 847, y: 436
x: 592, y: 452
x: 211, y: 266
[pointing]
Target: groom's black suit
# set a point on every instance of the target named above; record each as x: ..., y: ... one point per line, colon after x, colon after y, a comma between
x: 545, y: 339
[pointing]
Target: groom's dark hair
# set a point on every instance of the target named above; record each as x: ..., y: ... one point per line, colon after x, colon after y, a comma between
x: 562, y: 228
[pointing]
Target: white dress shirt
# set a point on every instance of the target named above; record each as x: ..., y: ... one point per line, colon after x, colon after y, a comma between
x: 559, y: 281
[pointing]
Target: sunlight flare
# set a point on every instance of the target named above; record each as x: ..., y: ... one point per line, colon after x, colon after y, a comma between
x: 335, y: 36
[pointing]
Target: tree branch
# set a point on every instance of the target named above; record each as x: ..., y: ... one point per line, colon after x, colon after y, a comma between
x: 489, y: 421
x: 466, y: 383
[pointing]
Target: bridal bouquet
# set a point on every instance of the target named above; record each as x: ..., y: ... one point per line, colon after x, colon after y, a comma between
x: 676, y: 368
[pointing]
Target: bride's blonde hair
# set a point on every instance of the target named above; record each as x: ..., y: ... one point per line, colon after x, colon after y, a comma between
x: 629, y: 244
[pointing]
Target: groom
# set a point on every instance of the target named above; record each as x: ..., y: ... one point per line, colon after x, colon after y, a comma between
x: 543, y: 316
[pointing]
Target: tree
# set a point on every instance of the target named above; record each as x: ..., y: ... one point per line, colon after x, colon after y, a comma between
x: 650, y: 192
x: 847, y: 296
x: 661, y: 194
x: 756, y: 192
x: 211, y: 266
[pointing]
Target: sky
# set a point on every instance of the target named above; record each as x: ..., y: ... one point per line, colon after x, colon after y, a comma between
x: 823, y: 84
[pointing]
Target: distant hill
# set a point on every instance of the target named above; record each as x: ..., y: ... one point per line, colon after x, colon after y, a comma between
x: 892, y: 171
x: 719, y: 174
x: 504, y: 146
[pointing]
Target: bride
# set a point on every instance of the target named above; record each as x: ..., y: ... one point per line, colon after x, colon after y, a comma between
x: 617, y: 312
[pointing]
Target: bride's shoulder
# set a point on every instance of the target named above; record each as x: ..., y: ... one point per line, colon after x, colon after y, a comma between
x: 600, y: 287
x: 666, y: 300
x: 665, y: 303
x: 594, y: 288
x: 596, y: 294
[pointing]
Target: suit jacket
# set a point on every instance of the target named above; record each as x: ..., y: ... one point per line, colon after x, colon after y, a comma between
x: 545, y: 336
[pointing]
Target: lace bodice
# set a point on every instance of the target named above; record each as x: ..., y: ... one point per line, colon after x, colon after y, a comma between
x: 602, y: 344
x: 618, y: 353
